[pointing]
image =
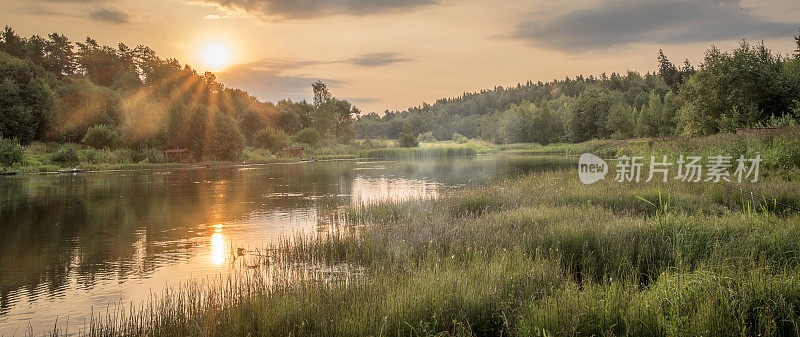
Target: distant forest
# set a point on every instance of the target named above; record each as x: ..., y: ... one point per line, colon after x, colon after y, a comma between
x: 52, y: 89
x: 747, y: 87
x: 55, y: 90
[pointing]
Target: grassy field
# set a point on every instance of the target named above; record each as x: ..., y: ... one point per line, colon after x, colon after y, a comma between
x: 539, y: 255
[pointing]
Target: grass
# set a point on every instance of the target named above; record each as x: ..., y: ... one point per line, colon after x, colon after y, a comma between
x: 539, y: 255
x: 419, y: 152
x: 41, y: 157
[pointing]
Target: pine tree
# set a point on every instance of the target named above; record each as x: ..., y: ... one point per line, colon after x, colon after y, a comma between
x: 797, y: 41
x: 667, y: 70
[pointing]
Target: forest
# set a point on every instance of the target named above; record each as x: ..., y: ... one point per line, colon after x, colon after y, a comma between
x: 129, y: 100
x: 748, y: 87
x: 57, y: 91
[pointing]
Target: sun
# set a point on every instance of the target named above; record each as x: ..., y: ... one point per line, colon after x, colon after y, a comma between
x: 215, y: 56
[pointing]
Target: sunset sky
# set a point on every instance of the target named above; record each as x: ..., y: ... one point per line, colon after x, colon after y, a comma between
x: 392, y: 54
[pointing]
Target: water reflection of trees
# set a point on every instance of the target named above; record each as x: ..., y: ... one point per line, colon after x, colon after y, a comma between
x: 56, y: 229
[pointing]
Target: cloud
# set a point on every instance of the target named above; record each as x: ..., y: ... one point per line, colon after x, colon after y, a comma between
x: 378, y: 59
x: 267, y: 79
x: 109, y: 15
x: 73, y: 1
x: 215, y: 17
x: 38, y: 10
x: 615, y: 23
x: 304, y: 9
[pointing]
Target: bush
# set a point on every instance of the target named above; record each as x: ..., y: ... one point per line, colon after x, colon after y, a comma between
x: 457, y: 137
x: 66, y: 154
x: 256, y: 155
x: 270, y: 139
x: 426, y: 137
x: 308, y: 136
x: 10, y: 152
x: 101, y: 136
x: 149, y: 154
x: 107, y: 156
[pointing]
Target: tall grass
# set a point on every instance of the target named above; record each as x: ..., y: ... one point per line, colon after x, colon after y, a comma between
x: 419, y: 153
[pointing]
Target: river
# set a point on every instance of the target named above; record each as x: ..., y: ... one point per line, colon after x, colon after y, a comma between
x: 71, y: 244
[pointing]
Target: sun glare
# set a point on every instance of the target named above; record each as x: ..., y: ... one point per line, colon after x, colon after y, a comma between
x: 215, y: 56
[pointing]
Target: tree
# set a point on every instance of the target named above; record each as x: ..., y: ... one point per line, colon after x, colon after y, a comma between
x: 29, y: 104
x: 223, y: 140
x: 105, y: 65
x: 407, y: 138
x: 271, y: 139
x: 797, y: 42
x: 744, y: 87
x: 85, y: 104
x: 667, y: 70
x: 308, y: 136
x: 12, y: 44
x: 544, y: 127
x: 321, y: 93
x: 620, y: 121
x: 656, y: 117
x: 332, y: 117
x: 249, y: 122
x: 586, y: 117
x: 60, y: 58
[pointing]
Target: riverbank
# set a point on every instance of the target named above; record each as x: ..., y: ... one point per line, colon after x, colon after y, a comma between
x: 541, y: 255
x: 52, y: 157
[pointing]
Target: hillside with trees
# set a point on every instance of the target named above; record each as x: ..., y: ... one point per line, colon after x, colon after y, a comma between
x: 749, y: 86
x: 54, y: 90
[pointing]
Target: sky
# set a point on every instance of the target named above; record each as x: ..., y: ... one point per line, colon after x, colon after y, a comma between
x: 393, y: 54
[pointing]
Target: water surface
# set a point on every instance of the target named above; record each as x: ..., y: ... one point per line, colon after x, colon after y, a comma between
x: 77, y: 242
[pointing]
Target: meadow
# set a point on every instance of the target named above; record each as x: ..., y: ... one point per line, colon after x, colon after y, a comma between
x: 540, y: 255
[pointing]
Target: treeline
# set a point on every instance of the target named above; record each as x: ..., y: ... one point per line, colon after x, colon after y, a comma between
x: 749, y: 86
x: 54, y: 90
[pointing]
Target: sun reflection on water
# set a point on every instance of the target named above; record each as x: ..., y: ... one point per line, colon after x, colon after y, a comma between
x: 217, y: 248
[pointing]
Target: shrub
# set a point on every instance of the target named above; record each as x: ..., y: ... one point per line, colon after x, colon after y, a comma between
x: 66, y: 154
x: 270, y: 139
x: 101, y: 136
x: 457, y: 137
x: 10, y: 152
x: 37, y: 148
x: 426, y: 137
x: 308, y: 136
x: 256, y: 155
x: 149, y: 154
